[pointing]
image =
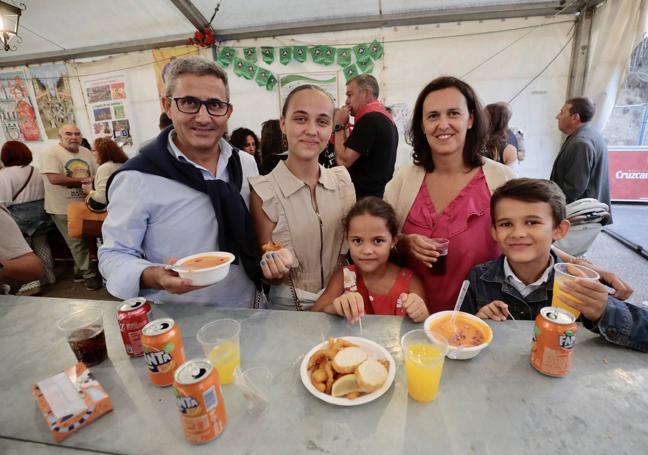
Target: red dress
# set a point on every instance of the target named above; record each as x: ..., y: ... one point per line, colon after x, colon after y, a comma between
x: 466, y: 222
x: 386, y: 305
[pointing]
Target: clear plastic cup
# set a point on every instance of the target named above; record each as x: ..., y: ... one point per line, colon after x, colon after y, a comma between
x: 220, y: 344
x: 440, y: 267
x: 564, y: 272
x: 254, y: 384
x: 424, y: 357
x: 84, y: 332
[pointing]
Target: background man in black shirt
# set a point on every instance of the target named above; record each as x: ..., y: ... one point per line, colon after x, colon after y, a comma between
x: 369, y: 151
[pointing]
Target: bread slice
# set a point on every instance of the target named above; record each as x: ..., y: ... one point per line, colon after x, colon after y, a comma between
x: 348, y: 359
x: 371, y: 375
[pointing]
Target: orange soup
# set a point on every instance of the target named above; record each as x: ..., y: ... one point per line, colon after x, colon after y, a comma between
x: 462, y: 332
x: 204, y: 262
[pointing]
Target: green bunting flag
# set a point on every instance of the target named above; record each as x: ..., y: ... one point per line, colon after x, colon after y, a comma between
x: 239, y: 65
x: 329, y: 55
x: 285, y: 55
x: 317, y: 54
x: 299, y: 53
x: 262, y: 77
x: 272, y: 82
x: 250, y: 54
x: 344, y: 57
x: 226, y: 55
x: 376, y: 50
x: 249, y: 70
x: 350, y: 72
x: 361, y: 51
x: 366, y: 65
x: 268, y: 54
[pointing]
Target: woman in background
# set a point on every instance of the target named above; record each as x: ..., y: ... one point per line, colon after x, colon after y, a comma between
x: 273, y: 146
x: 497, y: 146
x: 245, y: 139
x: 110, y: 157
x: 22, y: 193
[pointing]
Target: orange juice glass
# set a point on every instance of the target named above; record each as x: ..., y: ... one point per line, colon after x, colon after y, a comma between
x: 423, y: 358
x: 564, y: 272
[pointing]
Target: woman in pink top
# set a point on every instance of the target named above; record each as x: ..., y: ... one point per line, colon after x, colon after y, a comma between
x: 446, y: 192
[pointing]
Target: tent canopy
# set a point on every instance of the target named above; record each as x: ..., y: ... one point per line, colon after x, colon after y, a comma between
x: 68, y: 29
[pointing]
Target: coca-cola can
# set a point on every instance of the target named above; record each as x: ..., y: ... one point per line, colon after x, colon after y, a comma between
x: 132, y: 316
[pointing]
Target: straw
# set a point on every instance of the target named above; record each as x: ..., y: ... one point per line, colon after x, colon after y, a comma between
x: 460, y: 298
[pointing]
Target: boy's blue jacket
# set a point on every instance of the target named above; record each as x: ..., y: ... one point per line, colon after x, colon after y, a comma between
x: 622, y: 323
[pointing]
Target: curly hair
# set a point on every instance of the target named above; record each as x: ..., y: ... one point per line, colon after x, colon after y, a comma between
x: 239, y: 137
x: 475, y: 136
x: 108, y: 150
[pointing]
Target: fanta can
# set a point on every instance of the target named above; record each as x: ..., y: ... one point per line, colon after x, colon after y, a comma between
x: 163, y: 350
x: 200, y: 401
x: 554, y: 336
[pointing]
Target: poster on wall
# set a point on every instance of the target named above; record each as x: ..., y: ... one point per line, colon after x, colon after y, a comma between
x: 163, y: 58
x: 327, y: 81
x: 628, y: 171
x: 17, y: 113
x: 108, y: 107
x: 53, y: 97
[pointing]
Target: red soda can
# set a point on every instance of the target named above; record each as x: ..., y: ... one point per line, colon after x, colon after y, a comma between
x: 553, y: 341
x: 132, y: 316
x: 200, y: 401
x: 163, y: 350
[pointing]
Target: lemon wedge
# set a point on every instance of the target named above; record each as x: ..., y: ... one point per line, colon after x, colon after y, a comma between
x: 344, y: 385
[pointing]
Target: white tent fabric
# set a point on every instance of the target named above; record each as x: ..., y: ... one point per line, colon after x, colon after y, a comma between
x: 616, y: 29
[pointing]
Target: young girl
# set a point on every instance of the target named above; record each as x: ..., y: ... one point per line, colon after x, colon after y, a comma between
x: 372, y: 285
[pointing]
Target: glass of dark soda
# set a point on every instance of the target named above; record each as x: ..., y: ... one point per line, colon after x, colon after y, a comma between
x: 440, y: 267
x: 84, y: 332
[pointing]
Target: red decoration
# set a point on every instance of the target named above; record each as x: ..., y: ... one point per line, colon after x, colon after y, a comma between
x: 205, y: 38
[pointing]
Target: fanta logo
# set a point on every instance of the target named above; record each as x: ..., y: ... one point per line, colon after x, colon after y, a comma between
x: 156, y: 359
x: 186, y: 404
x: 567, y: 341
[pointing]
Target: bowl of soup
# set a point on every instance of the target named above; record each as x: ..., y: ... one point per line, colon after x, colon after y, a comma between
x: 204, y: 269
x: 467, y: 335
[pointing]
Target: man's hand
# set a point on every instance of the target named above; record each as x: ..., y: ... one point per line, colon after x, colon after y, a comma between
x: 414, y: 306
x: 421, y: 248
x: 349, y: 305
x: 622, y: 289
x: 591, y: 294
x: 341, y: 116
x: 275, y: 265
x: 168, y: 280
x: 496, y: 310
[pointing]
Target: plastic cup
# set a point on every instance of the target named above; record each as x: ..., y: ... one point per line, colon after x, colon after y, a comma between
x: 440, y: 267
x: 254, y: 384
x: 84, y: 332
x: 565, y: 272
x: 424, y: 356
x: 220, y: 343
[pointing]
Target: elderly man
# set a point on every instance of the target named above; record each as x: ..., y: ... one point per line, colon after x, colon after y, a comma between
x: 65, y: 167
x: 185, y: 193
x: 581, y: 167
x: 369, y: 151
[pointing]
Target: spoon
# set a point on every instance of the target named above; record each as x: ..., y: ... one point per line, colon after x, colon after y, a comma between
x: 460, y: 299
x: 177, y: 268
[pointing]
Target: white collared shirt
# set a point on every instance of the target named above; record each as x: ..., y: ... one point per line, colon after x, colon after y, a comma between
x: 519, y: 285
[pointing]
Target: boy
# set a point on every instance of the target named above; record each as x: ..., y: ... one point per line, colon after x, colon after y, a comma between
x: 528, y: 215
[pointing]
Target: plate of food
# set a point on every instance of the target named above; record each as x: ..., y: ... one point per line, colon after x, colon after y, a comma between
x: 348, y: 371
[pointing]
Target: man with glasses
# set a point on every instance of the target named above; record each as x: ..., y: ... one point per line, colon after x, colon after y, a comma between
x: 581, y: 167
x: 65, y: 167
x: 185, y: 193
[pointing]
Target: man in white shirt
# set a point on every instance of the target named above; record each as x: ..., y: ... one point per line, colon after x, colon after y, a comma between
x: 173, y: 199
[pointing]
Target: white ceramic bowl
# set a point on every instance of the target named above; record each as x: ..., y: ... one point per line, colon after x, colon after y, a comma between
x: 206, y: 276
x: 460, y: 353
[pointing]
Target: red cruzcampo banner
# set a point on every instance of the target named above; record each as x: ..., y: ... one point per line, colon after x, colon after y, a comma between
x: 628, y: 169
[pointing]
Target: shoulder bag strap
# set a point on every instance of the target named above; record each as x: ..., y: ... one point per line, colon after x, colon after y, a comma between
x: 31, y: 172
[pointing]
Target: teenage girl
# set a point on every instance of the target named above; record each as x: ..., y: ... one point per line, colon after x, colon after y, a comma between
x: 372, y: 285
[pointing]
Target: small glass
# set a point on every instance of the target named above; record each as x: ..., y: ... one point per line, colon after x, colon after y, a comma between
x: 84, y: 332
x: 440, y: 267
x: 424, y: 357
x: 564, y: 272
x: 220, y: 343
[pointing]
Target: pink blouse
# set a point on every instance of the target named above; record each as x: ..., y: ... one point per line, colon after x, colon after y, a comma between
x: 466, y: 223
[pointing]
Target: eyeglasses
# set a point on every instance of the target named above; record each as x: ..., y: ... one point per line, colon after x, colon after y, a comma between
x: 192, y: 105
